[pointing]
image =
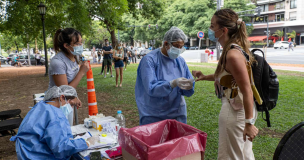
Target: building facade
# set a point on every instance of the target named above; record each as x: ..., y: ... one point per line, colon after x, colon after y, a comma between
x: 283, y: 15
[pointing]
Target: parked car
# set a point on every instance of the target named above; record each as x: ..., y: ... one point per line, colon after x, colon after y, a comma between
x: 142, y: 53
x: 10, y: 58
x: 186, y: 47
x: 214, y: 47
x: 281, y: 45
x: 193, y: 48
x: 3, y: 59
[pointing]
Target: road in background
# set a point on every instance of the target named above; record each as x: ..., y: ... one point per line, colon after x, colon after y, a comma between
x: 272, y: 55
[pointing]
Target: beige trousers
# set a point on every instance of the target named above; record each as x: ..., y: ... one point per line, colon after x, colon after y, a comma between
x: 231, y: 127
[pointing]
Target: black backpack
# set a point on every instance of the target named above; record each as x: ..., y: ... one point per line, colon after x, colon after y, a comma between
x: 266, y: 82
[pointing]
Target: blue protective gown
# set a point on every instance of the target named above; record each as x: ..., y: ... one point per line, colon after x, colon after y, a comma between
x: 45, y: 133
x: 155, y: 98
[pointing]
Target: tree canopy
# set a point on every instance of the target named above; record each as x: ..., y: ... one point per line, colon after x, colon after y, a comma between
x: 102, y: 19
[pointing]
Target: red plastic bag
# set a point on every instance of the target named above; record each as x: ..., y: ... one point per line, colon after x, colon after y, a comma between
x: 116, y: 152
x: 168, y: 139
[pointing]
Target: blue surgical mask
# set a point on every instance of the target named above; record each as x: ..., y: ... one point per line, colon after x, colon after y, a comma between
x: 66, y: 109
x: 211, y: 35
x: 77, y: 50
x: 174, y: 52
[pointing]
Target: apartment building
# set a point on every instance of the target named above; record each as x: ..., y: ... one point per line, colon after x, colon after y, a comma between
x: 284, y: 15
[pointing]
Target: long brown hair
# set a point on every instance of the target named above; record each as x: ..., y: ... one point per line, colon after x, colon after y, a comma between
x: 65, y: 36
x: 237, y: 34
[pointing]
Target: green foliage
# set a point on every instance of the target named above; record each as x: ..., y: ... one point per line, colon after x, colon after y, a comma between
x: 292, y: 34
x: 96, y: 36
x: 21, y: 18
x: 278, y: 33
x: 110, y: 13
x: 238, y: 5
x: 241, y: 5
x: 10, y: 42
x: 191, y: 16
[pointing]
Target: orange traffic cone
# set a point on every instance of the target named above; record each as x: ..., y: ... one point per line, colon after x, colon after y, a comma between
x: 93, y: 110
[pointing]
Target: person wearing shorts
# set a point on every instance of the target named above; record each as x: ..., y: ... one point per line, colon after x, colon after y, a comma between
x: 107, y: 58
x: 125, y: 60
x: 118, y: 60
x: 133, y: 54
x: 99, y: 56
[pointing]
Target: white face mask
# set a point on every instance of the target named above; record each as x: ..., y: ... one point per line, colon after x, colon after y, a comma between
x: 66, y: 109
x: 77, y: 50
x: 174, y: 52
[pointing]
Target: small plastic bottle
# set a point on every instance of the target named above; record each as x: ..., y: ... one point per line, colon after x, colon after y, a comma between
x: 121, y: 121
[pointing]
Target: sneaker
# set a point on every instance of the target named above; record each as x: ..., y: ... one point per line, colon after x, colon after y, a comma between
x: 112, y: 76
x: 125, y: 69
x: 104, y: 76
x: 100, y: 73
x: 107, y: 72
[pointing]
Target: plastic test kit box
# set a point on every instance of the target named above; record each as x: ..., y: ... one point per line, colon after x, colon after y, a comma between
x: 99, y: 123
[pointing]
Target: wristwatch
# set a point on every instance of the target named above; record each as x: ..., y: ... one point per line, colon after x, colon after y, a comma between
x: 250, y: 121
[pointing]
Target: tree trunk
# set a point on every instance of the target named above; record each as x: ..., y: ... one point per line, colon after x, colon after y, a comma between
x: 17, y: 47
x: 28, y: 54
x: 132, y: 41
x: 113, y: 38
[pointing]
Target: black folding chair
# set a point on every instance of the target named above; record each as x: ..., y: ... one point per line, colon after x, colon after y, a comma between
x: 7, y: 126
x: 10, y: 114
x: 291, y: 146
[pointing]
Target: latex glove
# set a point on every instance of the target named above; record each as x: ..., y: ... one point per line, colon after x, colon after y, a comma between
x: 182, y: 83
x: 92, y: 140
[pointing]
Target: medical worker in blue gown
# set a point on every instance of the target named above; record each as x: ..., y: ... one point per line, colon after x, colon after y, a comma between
x: 163, y: 79
x: 45, y: 132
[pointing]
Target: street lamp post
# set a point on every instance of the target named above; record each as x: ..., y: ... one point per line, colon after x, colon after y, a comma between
x: 42, y: 9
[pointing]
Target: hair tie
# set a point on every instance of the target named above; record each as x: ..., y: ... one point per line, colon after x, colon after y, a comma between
x: 239, y: 22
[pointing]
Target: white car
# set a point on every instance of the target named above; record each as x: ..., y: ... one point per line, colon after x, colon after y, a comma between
x: 281, y: 45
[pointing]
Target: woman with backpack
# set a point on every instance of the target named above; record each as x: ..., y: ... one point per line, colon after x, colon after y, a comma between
x: 233, y: 86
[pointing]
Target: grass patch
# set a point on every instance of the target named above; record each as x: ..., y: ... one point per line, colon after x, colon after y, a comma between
x: 204, y: 107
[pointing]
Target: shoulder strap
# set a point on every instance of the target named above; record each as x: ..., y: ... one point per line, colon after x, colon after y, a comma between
x: 235, y: 46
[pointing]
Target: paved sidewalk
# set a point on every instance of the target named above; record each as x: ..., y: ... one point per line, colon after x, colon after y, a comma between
x: 285, y: 67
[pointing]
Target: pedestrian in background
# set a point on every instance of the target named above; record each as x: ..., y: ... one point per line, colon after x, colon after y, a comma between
x: 64, y: 66
x: 290, y: 46
x: 211, y: 53
x: 93, y: 54
x: 16, y: 61
x: 125, y: 60
x: 133, y: 54
x: 107, y: 58
x: 118, y: 56
x: 99, y: 56
x: 207, y: 51
x: 38, y: 57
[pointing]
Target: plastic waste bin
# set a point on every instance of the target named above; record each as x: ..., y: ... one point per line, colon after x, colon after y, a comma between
x: 168, y: 139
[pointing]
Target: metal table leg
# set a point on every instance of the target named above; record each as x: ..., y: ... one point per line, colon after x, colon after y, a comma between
x: 76, y: 115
